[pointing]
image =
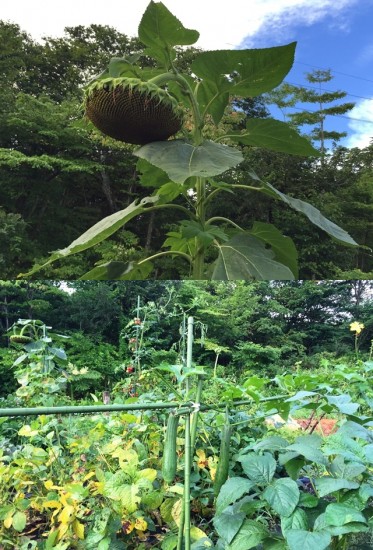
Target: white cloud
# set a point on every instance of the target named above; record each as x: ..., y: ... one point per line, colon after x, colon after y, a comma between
x: 361, y: 130
x: 221, y: 24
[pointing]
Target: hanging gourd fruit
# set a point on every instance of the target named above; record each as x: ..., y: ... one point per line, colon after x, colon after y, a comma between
x: 133, y: 111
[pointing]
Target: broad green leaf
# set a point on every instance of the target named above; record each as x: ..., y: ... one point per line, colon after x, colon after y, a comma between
x: 19, y: 521
x: 353, y: 429
x: 205, y: 234
x: 246, y: 257
x: 160, y: 27
x: 121, y: 66
x: 259, y: 468
x: 300, y: 539
x: 272, y: 443
x: 228, y: 523
x: 283, y: 247
x: 211, y: 100
x: 346, y: 470
x: 283, y: 496
x: 301, y: 395
x: 312, y: 213
x: 120, y: 271
x: 169, y: 543
x: 169, y: 191
x: 250, y: 535
x: 232, y: 490
x: 274, y: 135
x: 308, y: 446
x: 160, y: 30
x: 307, y: 500
x: 309, y: 451
x: 150, y: 175
x: 100, y: 231
x: 326, y: 485
x: 343, y: 403
x: 246, y: 72
x: 339, y: 514
x: 297, y: 520
x: 345, y: 446
x: 182, y: 160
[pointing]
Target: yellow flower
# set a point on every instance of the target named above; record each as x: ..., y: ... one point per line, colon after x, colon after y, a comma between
x: 356, y: 327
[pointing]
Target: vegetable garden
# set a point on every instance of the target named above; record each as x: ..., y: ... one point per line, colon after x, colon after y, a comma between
x: 182, y: 457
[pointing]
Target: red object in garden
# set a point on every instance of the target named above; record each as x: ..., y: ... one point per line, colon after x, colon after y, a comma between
x: 325, y: 426
x: 130, y: 368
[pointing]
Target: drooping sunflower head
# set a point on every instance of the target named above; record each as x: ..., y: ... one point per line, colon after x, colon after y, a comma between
x: 133, y: 111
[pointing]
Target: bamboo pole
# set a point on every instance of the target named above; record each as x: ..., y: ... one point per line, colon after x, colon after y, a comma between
x: 86, y: 409
x: 186, y: 499
x: 189, y: 352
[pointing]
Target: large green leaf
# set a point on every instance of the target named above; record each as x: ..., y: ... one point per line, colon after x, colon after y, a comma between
x: 118, y: 271
x: 343, y: 403
x: 297, y: 520
x: 282, y: 496
x: 100, y: 231
x: 275, y: 135
x: 182, y: 160
x: 19, y: 521
x: 284, y: 247
x: 343, y: 445
x: 233, y: 489
x: 250, y: 535
x: 246, y: 72
x: 259, y: 468
x: 159, y: 29
x: 312, y: 213
x: 305, y: 540
x: 228, y: 523
x: 346, y: 470
x: 309, y: 448
x: 246, y: 257
x: 339, y: 514
x: 211, y: 100
x: 326, y: 485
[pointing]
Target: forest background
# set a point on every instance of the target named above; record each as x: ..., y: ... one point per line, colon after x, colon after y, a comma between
x: 267, y: 328
x: 59, y: 176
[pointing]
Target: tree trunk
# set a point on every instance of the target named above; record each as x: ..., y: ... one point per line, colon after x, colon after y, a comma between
x: 106, y: 184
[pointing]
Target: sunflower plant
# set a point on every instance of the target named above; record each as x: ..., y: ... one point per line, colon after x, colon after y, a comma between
x: 147, y: 106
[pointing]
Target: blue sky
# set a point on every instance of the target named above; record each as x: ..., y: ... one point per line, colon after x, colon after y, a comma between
x: 331, y: 34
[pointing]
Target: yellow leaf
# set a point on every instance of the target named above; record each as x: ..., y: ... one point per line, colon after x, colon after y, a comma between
x: 66, y: 514
x: 50, y: 485
x: 62, y: 530
x: 176, y: 511
x: 52, y: 504
x: 8, y: 520
x: 140, y: 524
x: 27, y: 431
x: 88, y: 476
x: 148, y: 473
x: 78, y: 529
x: 196, y: 533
